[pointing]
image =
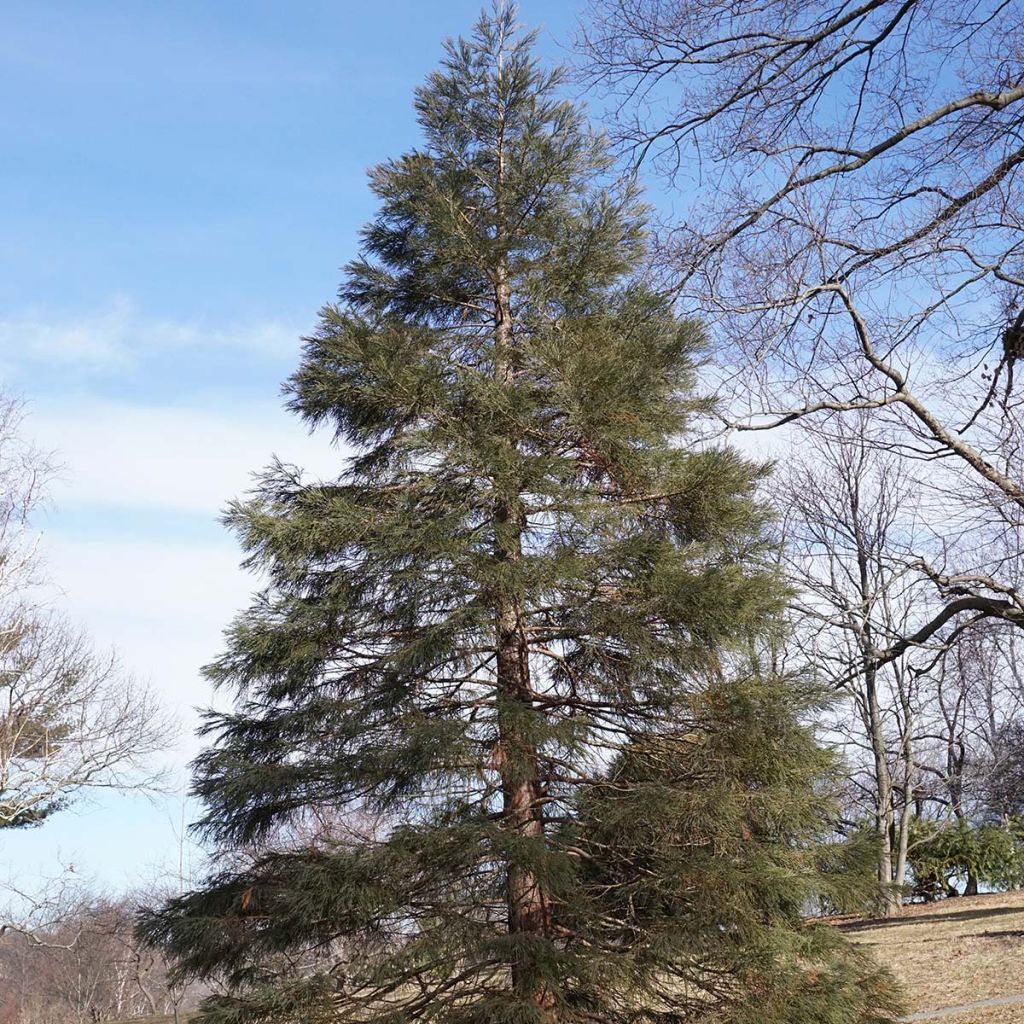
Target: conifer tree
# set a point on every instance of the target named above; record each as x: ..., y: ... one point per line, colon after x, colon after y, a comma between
x: 526, y: 571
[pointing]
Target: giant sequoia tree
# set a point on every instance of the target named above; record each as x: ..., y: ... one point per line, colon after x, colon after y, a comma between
x: 493, y: 635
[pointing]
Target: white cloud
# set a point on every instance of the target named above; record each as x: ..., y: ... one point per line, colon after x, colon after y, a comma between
x: 161, y: 599
x: 169, y: 457
x: 123, y: 546
x: 117, y: 335
x: 162, y: 604
x: 132, y: 547
x: 158, y: 596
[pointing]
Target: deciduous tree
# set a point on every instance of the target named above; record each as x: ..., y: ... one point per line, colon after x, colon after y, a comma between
x: 851, y: 174
x: 71, y: 721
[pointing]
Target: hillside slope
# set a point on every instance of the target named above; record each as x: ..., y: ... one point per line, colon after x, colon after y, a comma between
x: 953, y: 953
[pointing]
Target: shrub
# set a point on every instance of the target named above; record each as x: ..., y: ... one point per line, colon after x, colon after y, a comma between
x: 945, y: 854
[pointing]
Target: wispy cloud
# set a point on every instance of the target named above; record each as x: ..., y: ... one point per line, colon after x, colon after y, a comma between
x: 131, y: 546
x: 119, y: 334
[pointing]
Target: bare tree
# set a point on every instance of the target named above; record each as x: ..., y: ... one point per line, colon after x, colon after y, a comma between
x: 972, y: 709
x: 849, y: 519
x: 70, y: 720
x: 854, y: 230
x: 85, y: 965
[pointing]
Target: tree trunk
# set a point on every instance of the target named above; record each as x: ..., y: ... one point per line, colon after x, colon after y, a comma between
x: 876, y: 733
x: 903, y: 835
x: 907, y: 793
x: 521, y: 786
x: 522, y: 798
x: 883, y: 790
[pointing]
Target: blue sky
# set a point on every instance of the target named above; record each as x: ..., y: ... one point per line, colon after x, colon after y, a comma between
x: 179, y: 187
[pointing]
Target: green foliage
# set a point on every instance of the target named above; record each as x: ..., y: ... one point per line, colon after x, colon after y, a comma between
x: 529, y: 564
x: 944, y: 854
x: 700, y: 855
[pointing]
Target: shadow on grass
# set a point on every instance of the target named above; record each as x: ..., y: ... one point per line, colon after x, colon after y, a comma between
x: 1009, y: 933
x: 974, y: 914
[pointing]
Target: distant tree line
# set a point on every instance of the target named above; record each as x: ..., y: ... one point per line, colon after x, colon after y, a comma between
x: 84, y: 965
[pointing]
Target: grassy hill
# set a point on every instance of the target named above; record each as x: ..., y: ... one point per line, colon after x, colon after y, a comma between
x: 954, y: 952
x: 945, y: 954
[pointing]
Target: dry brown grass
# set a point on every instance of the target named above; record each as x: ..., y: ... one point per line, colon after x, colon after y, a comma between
x: 944, y: 954
x: 994, y: 1015
x: 953, y: 952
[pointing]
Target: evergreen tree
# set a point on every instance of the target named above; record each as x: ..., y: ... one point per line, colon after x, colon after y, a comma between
x: 700, y: 856
x: 521, y: 573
